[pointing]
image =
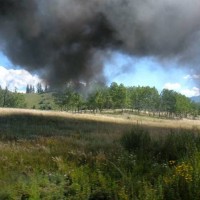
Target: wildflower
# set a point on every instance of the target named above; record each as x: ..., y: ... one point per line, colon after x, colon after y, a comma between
x: 167, y: 180
x: 184, y: 170
x: 172, y: 162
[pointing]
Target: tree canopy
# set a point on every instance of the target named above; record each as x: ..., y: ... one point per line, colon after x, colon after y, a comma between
x: 139, y: 99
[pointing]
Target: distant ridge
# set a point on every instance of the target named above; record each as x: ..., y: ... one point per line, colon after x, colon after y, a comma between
x: 196, y: 99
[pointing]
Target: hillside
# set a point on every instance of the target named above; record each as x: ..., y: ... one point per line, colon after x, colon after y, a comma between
x: 44, y: 101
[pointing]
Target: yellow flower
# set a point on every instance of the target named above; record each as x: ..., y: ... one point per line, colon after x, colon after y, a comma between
x: 172, y: 162
x: 184, y: 170
x: 167, y: 180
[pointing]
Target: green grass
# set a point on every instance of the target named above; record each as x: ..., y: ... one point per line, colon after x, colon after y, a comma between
x: 32, y: 100
x: 42, y: 101
x: 58, y: 157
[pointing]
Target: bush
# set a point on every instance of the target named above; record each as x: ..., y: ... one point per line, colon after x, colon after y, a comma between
x: 100, y: 195
x: 41, y: 101
x: 176, y: 145
x: 137, y: 140
x: 45, y: 107
x: 5, y: 196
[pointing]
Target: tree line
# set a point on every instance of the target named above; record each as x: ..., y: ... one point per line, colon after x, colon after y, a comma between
x: 139, y: 99
x: 167, y: 103
x: 11, y: 99
x: 39, y: 89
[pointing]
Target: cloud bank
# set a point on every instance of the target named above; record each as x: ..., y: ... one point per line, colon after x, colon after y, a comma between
x: 17, y: 79
x: 189, y: 92
x: 172, y: 86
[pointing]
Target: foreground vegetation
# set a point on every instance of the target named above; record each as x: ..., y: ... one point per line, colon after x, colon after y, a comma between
x: 48, y: 155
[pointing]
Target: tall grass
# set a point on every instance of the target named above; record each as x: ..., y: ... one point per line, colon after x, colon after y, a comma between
x: 175, y: 145
x: 53, y: 157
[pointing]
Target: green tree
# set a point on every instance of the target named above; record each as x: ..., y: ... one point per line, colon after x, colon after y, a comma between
x: 183, y: 105
x: 17, y: 100
x: 150, y: 99
x: 137, y: 98
x: 96, y: 100
x: 1, y: 97
x: 122, y: 95
x: 6, y: 97
x: 67, y: 98
x: 27, y: 88
x: 108, y: 103
x: 39, y: 88
x: 46, y: 89
x: 168, y: 102
x: 60, y: 99
x: 118, y: 95
x: 11, y: 99
x: 113, y: 93
x: 195, y: 109
x: 76, y: 101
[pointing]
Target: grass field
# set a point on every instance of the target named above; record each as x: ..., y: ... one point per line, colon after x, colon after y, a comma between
x: 59, y: 155
x: 42, y: 101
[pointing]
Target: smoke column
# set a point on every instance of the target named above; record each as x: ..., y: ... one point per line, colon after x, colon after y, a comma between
x: 70, y: 39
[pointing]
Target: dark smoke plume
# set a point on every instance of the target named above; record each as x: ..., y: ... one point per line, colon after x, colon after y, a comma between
x: 69, y: 39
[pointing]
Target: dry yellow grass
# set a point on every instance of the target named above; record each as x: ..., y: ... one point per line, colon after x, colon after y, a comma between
x: 118, y: 119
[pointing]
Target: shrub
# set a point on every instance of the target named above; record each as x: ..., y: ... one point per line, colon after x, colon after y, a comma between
x: 41, y: 101
x: 137, y: 140
x: 176, y: 145
x: 100, y: 195
x: 5, y: 196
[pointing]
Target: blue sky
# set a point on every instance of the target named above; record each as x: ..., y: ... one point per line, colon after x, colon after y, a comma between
x: 149, y: 72
x: 120, y: 68
x: 4, y: 61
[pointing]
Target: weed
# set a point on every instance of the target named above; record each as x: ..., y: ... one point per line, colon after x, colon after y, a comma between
x: 48, y: 156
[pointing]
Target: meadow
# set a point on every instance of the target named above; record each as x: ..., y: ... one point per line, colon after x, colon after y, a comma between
x: 59, y: 155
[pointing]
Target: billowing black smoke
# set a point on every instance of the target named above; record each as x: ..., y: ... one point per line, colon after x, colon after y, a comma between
x: 69, y: 39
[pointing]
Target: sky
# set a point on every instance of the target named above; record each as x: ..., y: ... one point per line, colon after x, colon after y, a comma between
x: 120, y: 68
x: 149, y: 72
x: 15, y: 77
x: 137, y: 43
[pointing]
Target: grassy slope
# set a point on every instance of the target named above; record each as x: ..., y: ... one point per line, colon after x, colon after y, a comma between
x: 32, y: 100
x: 38, y: 100
x: 123, y: 119
x: 58, y: 155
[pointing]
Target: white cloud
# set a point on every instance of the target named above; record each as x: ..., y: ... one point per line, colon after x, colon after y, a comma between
x: 193, y: 76
x: 17, y: 79
x: 191, y: 92
x: 187, y: 77
x: 172, y: 86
